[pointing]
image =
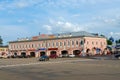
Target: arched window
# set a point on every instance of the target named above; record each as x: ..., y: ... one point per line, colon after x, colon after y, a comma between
x: 76, y: 42
x: 64, y: 43
x: 72, y: 42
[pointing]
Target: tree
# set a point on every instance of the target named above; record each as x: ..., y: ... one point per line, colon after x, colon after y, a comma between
x: 109, y: 42
x: 1, y: 41
x: 117, y: 41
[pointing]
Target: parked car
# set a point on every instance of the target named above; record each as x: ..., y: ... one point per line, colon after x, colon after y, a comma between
x: 117, y: 56
x: 71, y: 55
x: 44, y: 58
x: 53, y: 56
x: 65, y: 55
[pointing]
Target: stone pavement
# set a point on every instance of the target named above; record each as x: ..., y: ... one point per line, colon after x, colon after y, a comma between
x: 61, y: 69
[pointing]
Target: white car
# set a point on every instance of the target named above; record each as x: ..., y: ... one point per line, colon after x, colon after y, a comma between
x: 71, y: 55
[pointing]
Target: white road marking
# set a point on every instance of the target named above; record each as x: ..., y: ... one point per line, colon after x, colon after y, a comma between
x: 42, y: 62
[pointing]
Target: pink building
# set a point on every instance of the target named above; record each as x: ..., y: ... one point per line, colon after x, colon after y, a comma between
x: 77, y: 43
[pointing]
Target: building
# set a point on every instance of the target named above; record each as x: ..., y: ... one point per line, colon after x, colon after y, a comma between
x: 3, y: 51
x: 77, y: 43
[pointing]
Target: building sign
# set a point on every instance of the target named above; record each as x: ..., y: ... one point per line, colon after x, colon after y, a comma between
x: 42, y: 49
x: 52, y: 48
x: 31, y: 49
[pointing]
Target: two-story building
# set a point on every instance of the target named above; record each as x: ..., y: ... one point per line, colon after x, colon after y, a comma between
x: 77, y: 43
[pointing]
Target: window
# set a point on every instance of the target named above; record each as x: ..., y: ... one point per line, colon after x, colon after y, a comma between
x: 72, y: 42
x: 96, y: 43
x: 68, y: 43
x: 19, y: 46
x: 48, y: 44
x: 93, y: 43
x: 64, y: 43
x: 26, y: 45
x: 76, y: 42
x: 14, y: 46
x: 60, y: 43
x: 32, y: 45
x: 56, y: 43
x: 23, y: 45
x: 42, y: 44
x: 11, y: 46
x: 39, y: 45
x: 53, y: 44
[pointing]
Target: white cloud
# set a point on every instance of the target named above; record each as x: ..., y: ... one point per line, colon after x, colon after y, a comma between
x: 115, y: 35
x: 47, y: 27
x: 62, y: 26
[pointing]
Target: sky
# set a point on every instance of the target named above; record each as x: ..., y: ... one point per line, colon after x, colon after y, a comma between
x: 27, y: 18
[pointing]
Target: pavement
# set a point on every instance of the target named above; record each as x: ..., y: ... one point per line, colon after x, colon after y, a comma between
x: 104, y: 57
x: 59, y: 69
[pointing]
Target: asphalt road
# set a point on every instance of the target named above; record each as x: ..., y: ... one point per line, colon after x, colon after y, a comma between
x: 59, y: 69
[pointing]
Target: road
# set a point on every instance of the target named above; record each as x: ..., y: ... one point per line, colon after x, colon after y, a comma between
x: 59, y: 69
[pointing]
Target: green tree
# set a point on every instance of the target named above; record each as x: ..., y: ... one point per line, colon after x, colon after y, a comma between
x: 117, y: 41
x: 109, y: 42
x: 1, y: 41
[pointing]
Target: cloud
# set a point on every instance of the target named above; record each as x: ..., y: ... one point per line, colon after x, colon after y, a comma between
x: 74, y: 15
x: 49, y: 28
x: 115, y: 35
x: 62, y: 26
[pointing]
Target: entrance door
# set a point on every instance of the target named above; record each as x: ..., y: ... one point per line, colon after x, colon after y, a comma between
x: 32, y: 54
x: 42, y: 53
x: 23, y: 54
x: 15, y: 54
x: 64, y: 53
x: 76, y: 52
x: 53, y: 54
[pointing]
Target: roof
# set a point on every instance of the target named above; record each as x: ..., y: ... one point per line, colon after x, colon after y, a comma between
x: 66, y: 35
x: 3, y: 46
x: 80, y: 33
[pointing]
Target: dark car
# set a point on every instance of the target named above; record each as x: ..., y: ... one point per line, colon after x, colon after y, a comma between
x: 117, y: 55
x: 44, y: 58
